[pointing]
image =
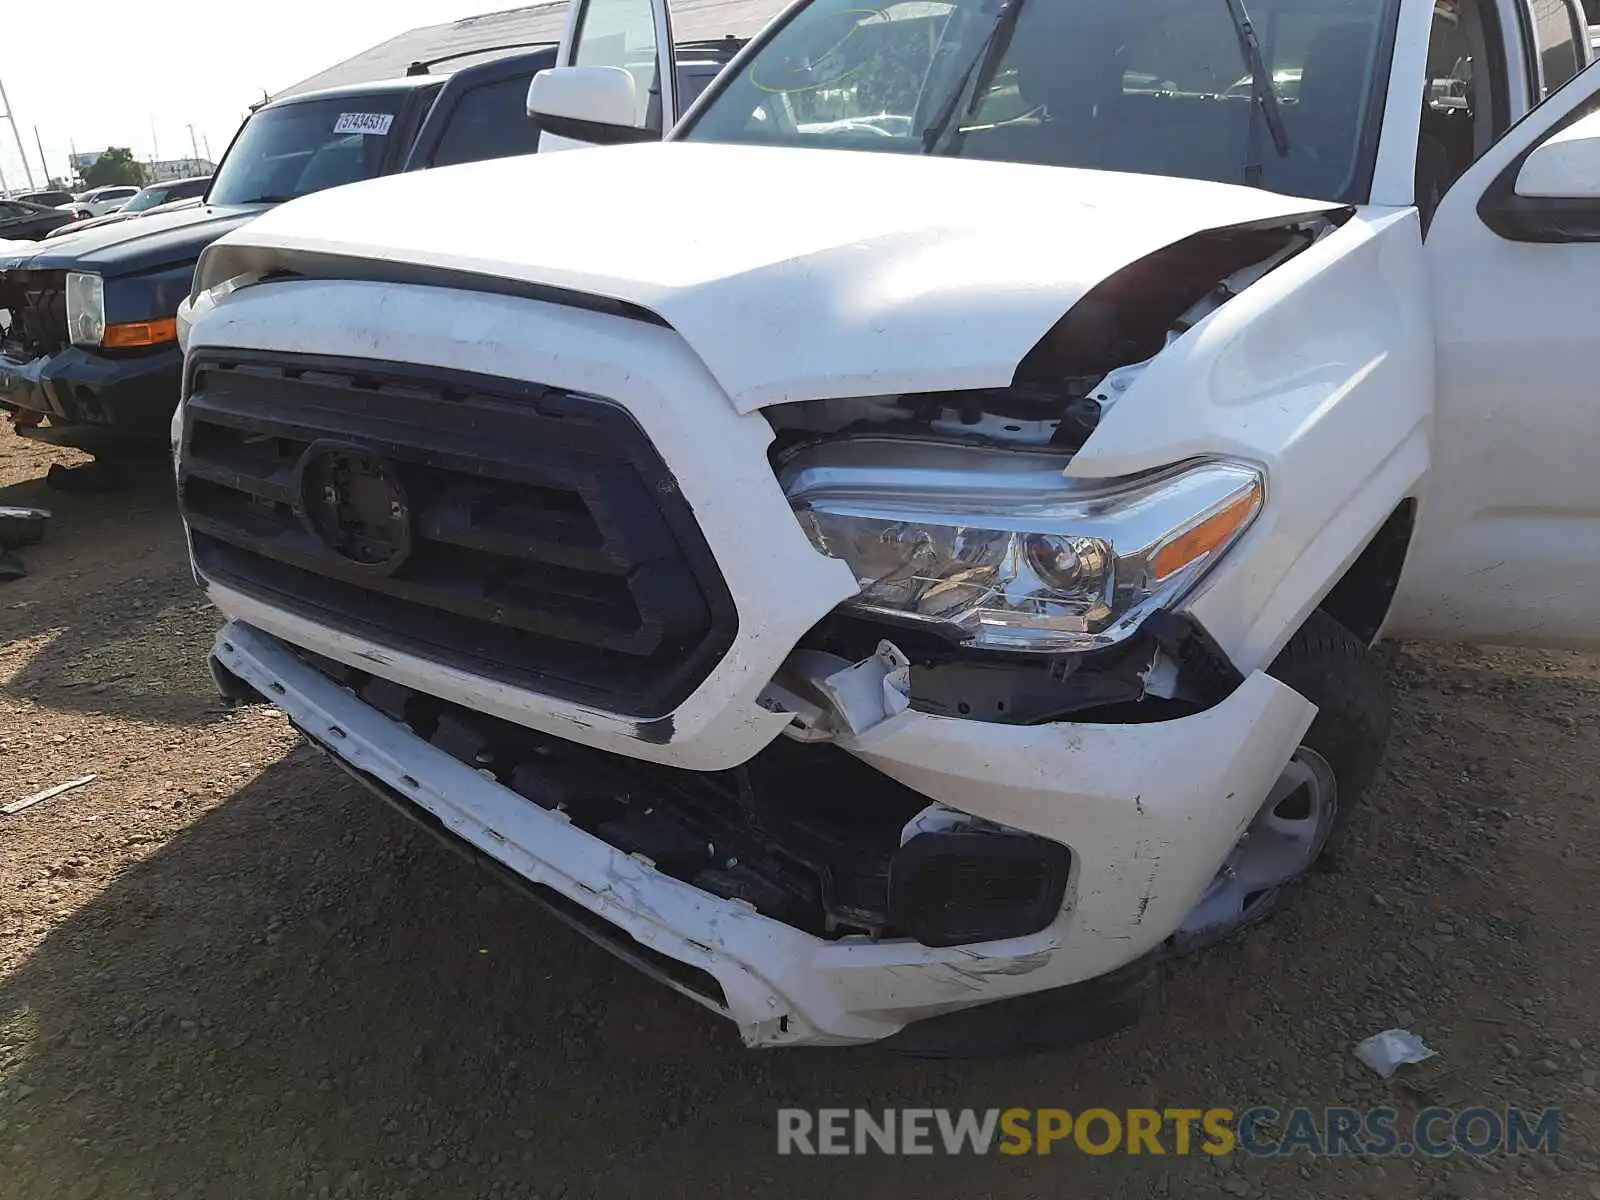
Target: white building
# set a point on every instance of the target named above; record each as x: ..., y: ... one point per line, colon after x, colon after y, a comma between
x: 178, y: 168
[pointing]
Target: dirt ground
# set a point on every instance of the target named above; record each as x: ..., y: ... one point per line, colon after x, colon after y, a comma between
x: 226, y: 972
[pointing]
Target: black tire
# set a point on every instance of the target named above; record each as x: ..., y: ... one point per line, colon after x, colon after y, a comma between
x: 1329, y: 666
x: 21, y: 526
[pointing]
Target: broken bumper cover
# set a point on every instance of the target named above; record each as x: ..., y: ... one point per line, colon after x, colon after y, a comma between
x: 134, y: 394
x: 1148, y: 810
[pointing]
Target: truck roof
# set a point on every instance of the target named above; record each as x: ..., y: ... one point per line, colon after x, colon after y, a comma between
x: 368, y: 88
x: 692, y: 20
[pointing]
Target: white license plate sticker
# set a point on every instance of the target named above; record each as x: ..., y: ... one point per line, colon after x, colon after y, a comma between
x: 377, y: 124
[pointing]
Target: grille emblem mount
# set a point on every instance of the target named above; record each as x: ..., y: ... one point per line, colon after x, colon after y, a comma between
x: 355, y: 504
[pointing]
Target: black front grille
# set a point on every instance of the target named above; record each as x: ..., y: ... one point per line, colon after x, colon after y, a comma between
x: 33, y: 313
x: 532, y: 535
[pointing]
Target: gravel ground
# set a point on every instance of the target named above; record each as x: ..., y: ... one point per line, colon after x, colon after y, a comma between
x: 226, y: 972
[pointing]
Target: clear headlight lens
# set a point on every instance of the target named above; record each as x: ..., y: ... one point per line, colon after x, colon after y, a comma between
x: 1000, y: 549
x: 86, y: 309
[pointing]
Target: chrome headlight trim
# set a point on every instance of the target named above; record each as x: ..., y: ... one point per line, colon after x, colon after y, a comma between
x: 998, y: 548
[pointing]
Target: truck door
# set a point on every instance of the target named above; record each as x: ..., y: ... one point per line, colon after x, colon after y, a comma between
x: 1507, y: 542
x: 632, y: 36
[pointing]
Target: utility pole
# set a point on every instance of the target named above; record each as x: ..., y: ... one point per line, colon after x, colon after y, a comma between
x: 207, y: 141
x: 15, y: 136
x: 194, y: 142
x: 44, y: 163
x: 155, y: 146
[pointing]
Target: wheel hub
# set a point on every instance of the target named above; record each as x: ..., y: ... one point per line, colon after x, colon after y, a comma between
x: 1283, y: 840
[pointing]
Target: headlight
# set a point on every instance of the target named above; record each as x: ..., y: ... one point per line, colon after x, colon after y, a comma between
x: 86, y: 309
x: 184, y: 322
x: 999, y: 549
x: 202, y: 300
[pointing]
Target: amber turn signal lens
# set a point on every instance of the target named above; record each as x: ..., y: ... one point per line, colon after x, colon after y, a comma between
x: 134, y: 334
x: 1216, y: 530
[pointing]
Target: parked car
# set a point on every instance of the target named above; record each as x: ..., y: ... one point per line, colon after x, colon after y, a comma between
x: 51, y: 199
x: 97, y: 202
x: 21, y: 221
x: 96, y: 341
x: 92, y: 338
x: 863, y: 579
x: 158, y: 197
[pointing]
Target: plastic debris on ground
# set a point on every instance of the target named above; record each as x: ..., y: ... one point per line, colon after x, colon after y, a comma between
x: 1392, y: 1049
x: 49, y: 793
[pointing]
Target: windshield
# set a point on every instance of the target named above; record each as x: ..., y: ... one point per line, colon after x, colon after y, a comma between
x: 149, y: 198
x: 1162, y: 87
x: 296, y: 149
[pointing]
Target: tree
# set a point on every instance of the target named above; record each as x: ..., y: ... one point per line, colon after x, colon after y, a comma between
x: 116, y: 165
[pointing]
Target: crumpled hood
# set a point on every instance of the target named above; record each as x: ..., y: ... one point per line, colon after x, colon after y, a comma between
x: 793, y: 274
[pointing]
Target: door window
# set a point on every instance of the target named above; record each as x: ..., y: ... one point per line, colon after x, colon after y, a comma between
x: 1556, y: 36
x: 1466, y: 107
x: 691, y: 82
x: 622, y: 33
x: 490, y: 121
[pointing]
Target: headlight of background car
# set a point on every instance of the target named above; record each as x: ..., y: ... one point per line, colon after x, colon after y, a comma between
x: 1001, y: 550
x: 86, y: 309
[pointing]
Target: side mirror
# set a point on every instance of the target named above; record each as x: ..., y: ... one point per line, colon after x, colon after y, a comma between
x: 588, y: 104
x: 1567, y: 166
x: 1556, y: 193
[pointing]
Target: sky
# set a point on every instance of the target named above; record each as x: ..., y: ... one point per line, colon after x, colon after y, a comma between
x: 99, y: 73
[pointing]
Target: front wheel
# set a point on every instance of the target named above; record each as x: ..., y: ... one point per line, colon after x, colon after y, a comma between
x: 1309, y: 808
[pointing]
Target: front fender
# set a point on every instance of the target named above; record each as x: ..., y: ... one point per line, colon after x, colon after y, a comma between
x: 1322, y: 372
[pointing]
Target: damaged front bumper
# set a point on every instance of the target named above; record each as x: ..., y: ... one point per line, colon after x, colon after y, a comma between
x: 1148, y: 811
x: 133, y: 394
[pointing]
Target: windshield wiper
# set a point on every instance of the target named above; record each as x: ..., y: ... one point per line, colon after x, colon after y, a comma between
x: 1265, y: 95
x: 983, y: 63
x: 268, y: 199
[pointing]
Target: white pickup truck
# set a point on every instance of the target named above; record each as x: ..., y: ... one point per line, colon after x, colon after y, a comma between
x: 897, y: 557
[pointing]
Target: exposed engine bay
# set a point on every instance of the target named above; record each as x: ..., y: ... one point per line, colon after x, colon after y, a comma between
x: 1092, y: 356
x: 1062, y: 390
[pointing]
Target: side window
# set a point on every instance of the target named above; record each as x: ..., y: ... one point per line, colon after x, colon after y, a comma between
x: 1465, y: 109
x: 691, y: 82
x: 1556, y: 38
x: 490, y: 121
x: 622, y: 33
